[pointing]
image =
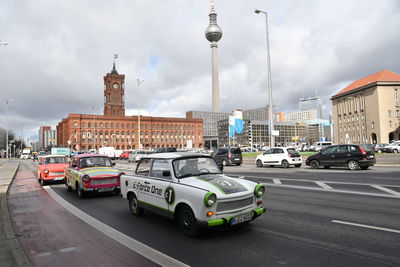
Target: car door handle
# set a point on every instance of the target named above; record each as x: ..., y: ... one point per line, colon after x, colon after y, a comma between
x: 146, y: 182
x: 348, y: 155
x: 333, y: 156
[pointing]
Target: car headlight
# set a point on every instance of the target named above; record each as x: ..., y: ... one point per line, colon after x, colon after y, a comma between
x: 46, y: 171
x: 210, y: 199
x: 259, y: 190
x: 85, y: 178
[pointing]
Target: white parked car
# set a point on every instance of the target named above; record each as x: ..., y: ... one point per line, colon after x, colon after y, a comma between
x: 281, y: 156
x: 393, y: 147
x: 191, y: 189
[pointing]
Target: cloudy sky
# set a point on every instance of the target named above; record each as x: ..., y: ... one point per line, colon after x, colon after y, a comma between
x: 59, y: 51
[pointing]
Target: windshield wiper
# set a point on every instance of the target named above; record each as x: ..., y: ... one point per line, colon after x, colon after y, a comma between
x: 187, y: 175
x: 203, y: 173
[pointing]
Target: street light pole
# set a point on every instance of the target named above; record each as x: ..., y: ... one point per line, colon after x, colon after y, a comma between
x: 7, y: 101
x: 270, y: 115
x: 139, y: 81
x: 94, y: 126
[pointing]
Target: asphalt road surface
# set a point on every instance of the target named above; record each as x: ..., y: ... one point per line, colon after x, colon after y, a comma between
x: 332, y: 217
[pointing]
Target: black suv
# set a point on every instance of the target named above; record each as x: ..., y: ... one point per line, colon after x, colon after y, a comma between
x: 350, y: 156
x: 227, y: 156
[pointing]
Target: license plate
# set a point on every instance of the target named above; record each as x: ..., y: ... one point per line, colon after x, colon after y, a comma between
x: 58, y: 178
x: 241, y: 218
x: 237, y: 158
x: 108, y: 189
x: 371, y: 157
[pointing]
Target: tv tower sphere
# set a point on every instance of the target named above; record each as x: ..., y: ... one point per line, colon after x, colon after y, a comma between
x: 213, y: 31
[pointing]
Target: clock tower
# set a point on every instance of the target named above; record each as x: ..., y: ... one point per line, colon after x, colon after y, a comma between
x: 114, y: 93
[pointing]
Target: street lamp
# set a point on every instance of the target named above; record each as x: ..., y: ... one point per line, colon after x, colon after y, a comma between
x: 139, y: 82
x: 94, y: 126
x: 269, y: 85
x: 7, y: 101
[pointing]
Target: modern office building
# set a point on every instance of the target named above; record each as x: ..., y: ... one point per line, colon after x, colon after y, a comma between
x: 210, y: 124
x: 89, y: 131
x: 256, y: 114
x: 368, y: 110
x: 41, y: 134
x: 311, y: 103
x: 301, y: 116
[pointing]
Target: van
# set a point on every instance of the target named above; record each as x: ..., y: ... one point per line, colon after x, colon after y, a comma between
x: 317, y: 146
x: 108, y: 151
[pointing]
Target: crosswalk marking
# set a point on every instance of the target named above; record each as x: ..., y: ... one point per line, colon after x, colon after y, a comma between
x: 387, y: 190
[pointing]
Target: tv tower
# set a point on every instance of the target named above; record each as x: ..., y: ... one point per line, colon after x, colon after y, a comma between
x: 213, y: 35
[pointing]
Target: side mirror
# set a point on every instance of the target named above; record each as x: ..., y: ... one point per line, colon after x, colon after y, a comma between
x: 221, y: 167
x: 166, y: 173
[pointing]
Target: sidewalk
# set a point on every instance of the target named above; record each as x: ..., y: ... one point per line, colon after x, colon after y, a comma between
x: 11, y: 253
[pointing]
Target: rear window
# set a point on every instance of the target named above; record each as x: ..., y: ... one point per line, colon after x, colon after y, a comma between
x: 293, y: 152
x: 366, y: 147
x: 235, y: 150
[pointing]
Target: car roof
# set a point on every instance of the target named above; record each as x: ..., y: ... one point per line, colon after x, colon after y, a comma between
x: 89, y: 155
x: 174, y: 155
x: 52, y: 156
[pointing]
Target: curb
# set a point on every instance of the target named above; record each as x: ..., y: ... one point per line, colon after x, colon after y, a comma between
x: 13, y: 242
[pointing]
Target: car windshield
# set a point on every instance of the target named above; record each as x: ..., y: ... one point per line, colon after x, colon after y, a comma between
x: 194, y: 166
x: 94, y: 162
x: 54, y: 160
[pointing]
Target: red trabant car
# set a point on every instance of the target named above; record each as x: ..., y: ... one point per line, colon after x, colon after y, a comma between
x: 92, y: 173
x: 51, y: 168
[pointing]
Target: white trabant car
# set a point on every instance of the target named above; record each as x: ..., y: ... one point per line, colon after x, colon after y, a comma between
x: 191, y: 189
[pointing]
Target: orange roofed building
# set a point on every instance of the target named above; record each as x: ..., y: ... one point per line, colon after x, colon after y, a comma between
x: 368, y: 110
x: 86, y: 132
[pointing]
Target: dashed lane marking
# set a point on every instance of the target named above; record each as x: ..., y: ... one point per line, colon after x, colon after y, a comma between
x: 387, y: 190
x: 368, y: 226
x: 142, y: 249
x: 324, y: 185
x: 277, y: 181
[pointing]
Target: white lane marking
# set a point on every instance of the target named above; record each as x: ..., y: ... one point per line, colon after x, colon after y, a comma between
x: 368, y: 226
x: 121, y: 238
x: 277, y: 181
x: 331, y: 191
x: 323, y: 185
x: 387, y: 190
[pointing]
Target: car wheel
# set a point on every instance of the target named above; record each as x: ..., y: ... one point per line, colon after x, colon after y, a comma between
x: 395, y: 151
x: 224, y: 162
x: 187, y: 221
x: 134, y: 206
x: 297, y: 165
x: 79, y: 191
x: 259, y: 163
x: 379, y: 151
x: 314, y: 164
x: 238, y: 164
x: 285, y: 164
x: 364, y: 167
x: 327, y: 167
x: 352, y: 165
x: 67, y: 187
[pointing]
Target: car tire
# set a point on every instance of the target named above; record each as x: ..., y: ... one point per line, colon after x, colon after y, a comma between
x: 395, y: 151
x: 67, y: 187
x: 352, y: 165
x: 285, y: 164
x: 238, y: 164
x: 379, y: 151
x: 225, y: 163
x: 327, y: 167
x: 297, y: 165
x: 79, y: 191
x: 187, y: 222
x: 364, y: 167
x: 259, y: 163
x: 134, y: 206
x: 314, y: 164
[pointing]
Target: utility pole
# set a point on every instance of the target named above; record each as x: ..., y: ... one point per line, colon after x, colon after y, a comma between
x: 139, y: 82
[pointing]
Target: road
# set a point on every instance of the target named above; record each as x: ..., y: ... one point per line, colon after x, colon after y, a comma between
x: 321, y: 217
